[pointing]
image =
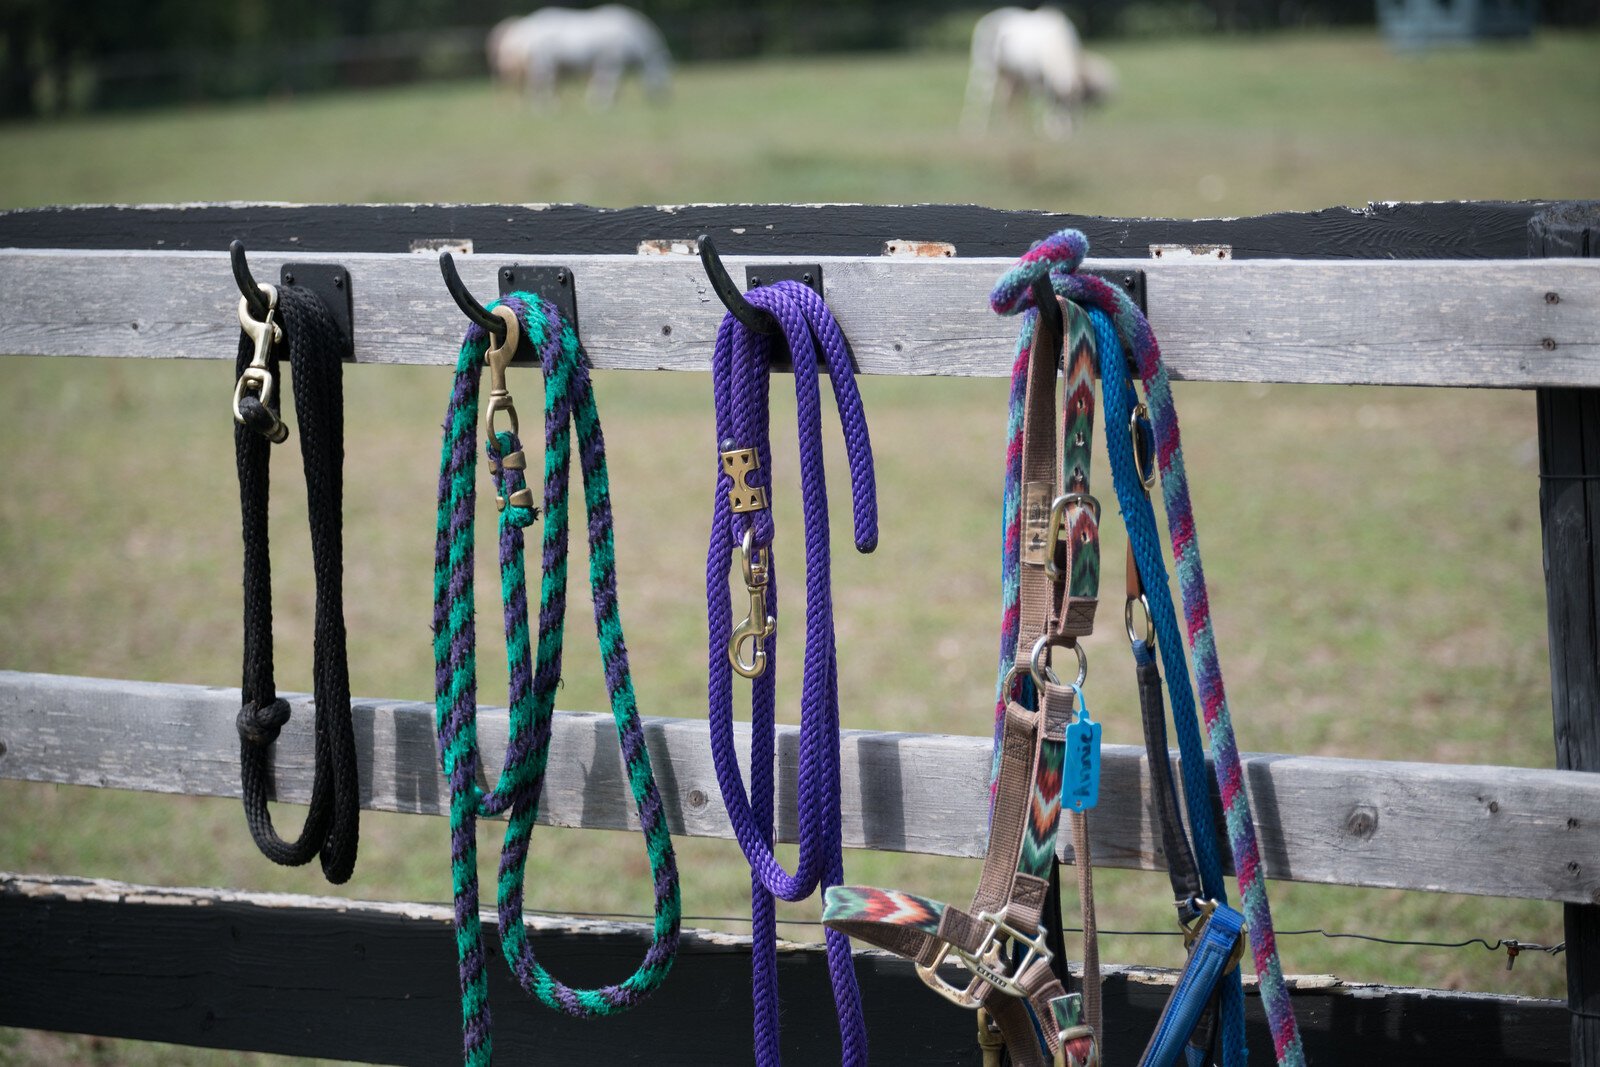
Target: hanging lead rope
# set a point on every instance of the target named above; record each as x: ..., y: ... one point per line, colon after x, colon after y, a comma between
x: 569, y: 402
x: 332, y: 826
x: 1060, y: 255
x: 742, y: 521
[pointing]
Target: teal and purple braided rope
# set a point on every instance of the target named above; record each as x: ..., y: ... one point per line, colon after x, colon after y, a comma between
x: 1060, y: 255
x: 569, y: 402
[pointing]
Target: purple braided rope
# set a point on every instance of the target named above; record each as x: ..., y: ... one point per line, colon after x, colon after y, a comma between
x: 740, y: 365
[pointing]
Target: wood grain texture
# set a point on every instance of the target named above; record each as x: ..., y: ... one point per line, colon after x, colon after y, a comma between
x: 1361, y: 322
x: 376, y: 982
x: 1470, y: 230
x: 1569, y: 510
x: 1348, y: 822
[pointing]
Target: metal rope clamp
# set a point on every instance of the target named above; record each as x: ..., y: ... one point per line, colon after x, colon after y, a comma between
x: 264, y: 332
x: 499, y: 357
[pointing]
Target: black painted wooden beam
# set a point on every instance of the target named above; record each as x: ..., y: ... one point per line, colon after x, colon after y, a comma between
x: 1569, y: 510
x: 377, y: 983
x: 1489, y: 229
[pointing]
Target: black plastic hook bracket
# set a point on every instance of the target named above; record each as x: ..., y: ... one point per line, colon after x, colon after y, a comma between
x: 465, y: 301
x: 329, y: 282
x: 555, y: 284
x: 758, y: 319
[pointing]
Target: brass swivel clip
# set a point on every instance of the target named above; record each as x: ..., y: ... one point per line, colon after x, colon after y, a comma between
x: 499, y: 357
x: 757, y: 625
x: 264, y: 332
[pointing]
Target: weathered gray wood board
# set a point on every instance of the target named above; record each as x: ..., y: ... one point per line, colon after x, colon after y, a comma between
x: 1349, y: 822
x: 346, y: 979
x: 1471, y: 323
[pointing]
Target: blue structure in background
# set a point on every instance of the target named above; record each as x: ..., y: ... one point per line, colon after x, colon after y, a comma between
x: 1412, y: 24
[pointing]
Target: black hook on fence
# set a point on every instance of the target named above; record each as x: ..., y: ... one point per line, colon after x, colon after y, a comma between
x: 254, y: 297
x: 1044, y: 298
x: 464, y: 300
x: 752, y: 317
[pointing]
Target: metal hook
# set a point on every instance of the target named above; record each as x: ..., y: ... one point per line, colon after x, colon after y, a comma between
x: 1044, y: 298
x: 254, y: 297
x: 469, y: 307
x: 752, y: 317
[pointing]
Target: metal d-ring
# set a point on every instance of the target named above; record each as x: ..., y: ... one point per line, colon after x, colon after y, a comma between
x: 1138, y: 419
x: 1040, y: 669
x: 1149, y: 623
x: 255, y: 299
x: 752, y: 317
x: 464, y: 300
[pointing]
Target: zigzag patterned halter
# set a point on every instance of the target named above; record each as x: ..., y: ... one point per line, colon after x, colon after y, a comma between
x: 569, y: 400
x: 1059, y: 257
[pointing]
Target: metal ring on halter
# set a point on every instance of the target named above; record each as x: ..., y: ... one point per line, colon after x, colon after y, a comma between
x: 1138, y: 419
x: 1149, y: 623
x: 1041, y: 670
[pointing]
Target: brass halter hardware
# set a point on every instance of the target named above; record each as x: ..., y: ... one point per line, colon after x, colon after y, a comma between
x: 265, y: 332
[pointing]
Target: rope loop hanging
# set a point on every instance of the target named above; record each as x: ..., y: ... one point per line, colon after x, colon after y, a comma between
x: 534, y: 673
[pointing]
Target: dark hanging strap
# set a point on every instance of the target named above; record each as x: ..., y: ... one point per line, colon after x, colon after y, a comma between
x: 331, y: 827
x: 1174, y: 839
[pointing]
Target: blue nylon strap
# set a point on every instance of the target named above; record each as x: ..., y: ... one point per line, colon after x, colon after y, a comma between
x: 1212, y: 951
x: 1144, y: 535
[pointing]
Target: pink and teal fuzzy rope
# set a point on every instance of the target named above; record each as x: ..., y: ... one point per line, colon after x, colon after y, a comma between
x: 1060, y: 254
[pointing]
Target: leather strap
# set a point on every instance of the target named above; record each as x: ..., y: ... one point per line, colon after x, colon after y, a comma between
x: 1058, y: 590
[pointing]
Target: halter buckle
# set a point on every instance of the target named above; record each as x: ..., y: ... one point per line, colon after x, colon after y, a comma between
x: 257, y: 378
x: 1196, y: 926
x: 757, y: 625
x: 1058, y: 520
x: 987, y: 964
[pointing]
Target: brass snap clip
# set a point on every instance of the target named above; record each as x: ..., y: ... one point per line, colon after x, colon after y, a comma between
x: 499, y: 357
x: 264, y: 332
x: 757, y: 625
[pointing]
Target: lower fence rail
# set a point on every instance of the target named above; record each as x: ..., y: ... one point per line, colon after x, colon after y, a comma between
x: 376, y: 983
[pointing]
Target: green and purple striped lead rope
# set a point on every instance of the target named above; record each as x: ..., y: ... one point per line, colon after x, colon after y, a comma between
x: 569, y: 402
x: 1059, y: 255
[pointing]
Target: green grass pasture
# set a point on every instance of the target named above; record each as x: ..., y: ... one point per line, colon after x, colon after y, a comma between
x: 1373, y: 554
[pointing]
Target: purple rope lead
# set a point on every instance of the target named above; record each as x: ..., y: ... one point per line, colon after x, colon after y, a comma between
x: 740, y: 382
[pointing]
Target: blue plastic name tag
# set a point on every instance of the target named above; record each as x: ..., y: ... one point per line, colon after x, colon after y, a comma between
x: 1080, y: 785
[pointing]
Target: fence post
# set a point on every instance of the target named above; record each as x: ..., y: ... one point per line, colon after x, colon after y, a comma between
x: 1569, y: 511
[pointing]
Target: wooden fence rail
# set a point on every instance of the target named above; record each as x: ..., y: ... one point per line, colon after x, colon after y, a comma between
x: 1398, y: 294
x: 1495, y: 831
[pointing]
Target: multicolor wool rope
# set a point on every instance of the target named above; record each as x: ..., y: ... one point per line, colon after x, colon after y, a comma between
x: 740, y: 379
x: 569, y: 400
x: 1059, y: 256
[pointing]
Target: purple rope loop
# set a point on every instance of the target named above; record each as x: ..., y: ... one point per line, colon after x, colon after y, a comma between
x: 740, y: 382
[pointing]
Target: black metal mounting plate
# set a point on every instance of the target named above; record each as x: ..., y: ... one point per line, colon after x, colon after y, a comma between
x: 1131, y: 282
x: 807, y: 274
x: 555, y: 284
x: 331, y: 283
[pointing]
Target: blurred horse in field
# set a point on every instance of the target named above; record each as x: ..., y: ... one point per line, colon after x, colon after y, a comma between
x: 1036, y: 54
x: 535, y: 53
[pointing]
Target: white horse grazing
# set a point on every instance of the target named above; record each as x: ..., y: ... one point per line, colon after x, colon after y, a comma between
x: 1038, y: 53
x: 538, y: 51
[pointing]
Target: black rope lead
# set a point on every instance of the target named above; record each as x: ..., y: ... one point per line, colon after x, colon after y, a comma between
x: 314, y: 345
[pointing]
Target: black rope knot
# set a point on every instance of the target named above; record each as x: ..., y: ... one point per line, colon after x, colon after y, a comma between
x: 259, y: 417
x: 259, y: 724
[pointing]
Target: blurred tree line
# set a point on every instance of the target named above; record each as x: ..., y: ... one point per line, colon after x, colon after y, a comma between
x: 93, y: 54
